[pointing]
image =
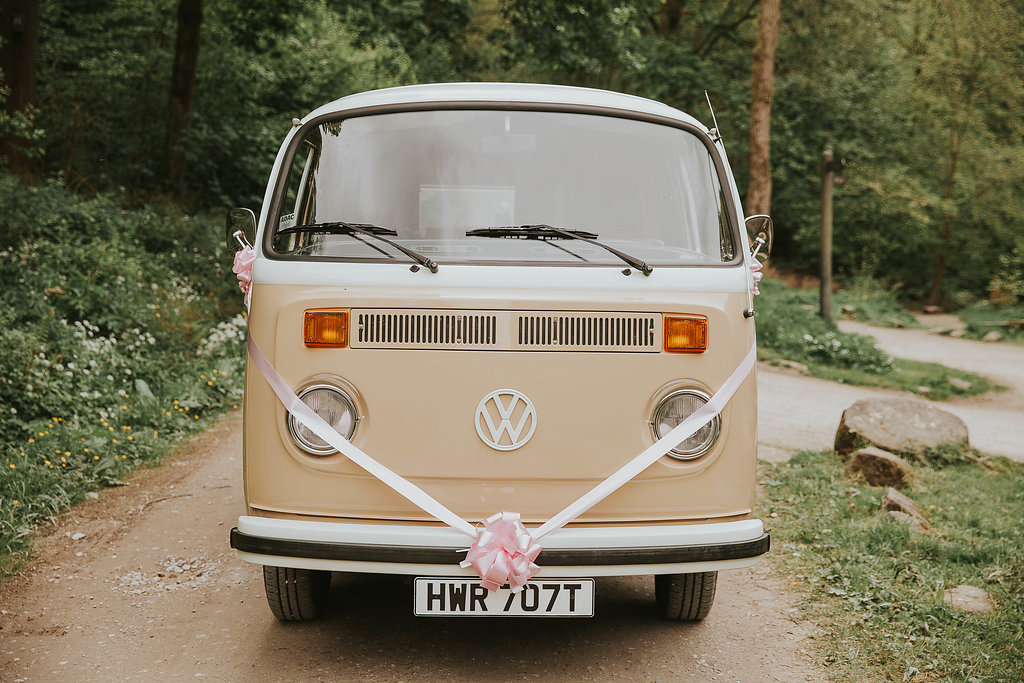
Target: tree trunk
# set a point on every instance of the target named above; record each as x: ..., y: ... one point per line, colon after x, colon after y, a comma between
x: 19, y: 33
x: 759, y: 192
x: 183, y: 87
x: 956, y: 135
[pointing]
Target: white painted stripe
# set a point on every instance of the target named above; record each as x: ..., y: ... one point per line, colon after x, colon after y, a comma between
x: 476, y: 278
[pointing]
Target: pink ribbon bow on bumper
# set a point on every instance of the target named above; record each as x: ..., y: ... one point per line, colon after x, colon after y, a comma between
x: 243, y: 269
x: 504, y: 552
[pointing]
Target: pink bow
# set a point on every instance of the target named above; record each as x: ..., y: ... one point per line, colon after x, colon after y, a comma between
x: 243, y: 269
x: 755, y: 270
x: 504, y: 552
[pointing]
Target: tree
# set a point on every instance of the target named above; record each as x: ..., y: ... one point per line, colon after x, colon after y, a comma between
x: 182, y: 92
x: 19, y: 50
x: 432, y: 33
x: 965, y: 72
x: 759, y: 191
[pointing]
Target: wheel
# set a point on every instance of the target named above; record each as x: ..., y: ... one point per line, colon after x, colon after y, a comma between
x: 296, y: 594
x: 685, y: 597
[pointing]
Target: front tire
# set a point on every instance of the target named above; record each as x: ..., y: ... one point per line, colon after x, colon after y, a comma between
x: 685, y: 597
x: 296, y: 594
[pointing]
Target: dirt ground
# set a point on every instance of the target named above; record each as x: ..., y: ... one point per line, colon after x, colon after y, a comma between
x: 141, y: 584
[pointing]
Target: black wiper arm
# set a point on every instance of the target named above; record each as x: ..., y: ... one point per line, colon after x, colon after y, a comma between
x: 375, y: 231
x: 541, y: 231
x: 530, y: 232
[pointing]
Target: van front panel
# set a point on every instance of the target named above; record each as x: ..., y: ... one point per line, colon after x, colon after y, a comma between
x: 418, y: 400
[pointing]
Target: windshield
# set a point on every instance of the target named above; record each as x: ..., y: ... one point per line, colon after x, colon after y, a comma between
x: 431, y: 176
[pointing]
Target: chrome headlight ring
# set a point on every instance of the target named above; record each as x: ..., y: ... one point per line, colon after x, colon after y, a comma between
x: 335, y: 406
x: 676, y: 407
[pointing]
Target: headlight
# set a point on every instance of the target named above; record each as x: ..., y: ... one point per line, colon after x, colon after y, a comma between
x: 337, y: 410
x: 675, y: 408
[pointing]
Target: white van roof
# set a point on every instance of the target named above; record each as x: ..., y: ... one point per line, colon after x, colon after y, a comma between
x: 503, y: 92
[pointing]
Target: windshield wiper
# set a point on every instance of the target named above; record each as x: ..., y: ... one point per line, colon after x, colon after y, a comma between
x: 541, y: 231
x: 375, y: 231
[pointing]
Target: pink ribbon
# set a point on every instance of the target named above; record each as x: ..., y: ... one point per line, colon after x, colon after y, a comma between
x: 504, y: 552
x: 243, y: 269
x: 755, y: 270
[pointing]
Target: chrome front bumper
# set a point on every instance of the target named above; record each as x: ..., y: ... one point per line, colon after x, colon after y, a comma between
x: 437, y: 551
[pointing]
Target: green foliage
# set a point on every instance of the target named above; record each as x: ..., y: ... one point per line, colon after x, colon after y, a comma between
x: 104, y: 71
x: 984, y: 317
x: 431, y: 35
x: 112, y: 346
x: 103, y: 90
x: 790, y: 329
x: 875, y: 588
x: 919, y: 97
x: 1007, y: 285
x: 870, y: 301
x: 788, y: 324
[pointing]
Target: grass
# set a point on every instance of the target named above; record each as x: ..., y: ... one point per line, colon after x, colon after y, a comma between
x: 928, y: 380
x: 789, y: 329
x: 983, y: 317
x: 875, y: 589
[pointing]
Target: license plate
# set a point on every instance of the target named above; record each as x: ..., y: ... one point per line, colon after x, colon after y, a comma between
x: 442, y: 597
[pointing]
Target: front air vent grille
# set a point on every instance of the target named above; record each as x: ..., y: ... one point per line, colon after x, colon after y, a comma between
x: 426, y: 329
x: 506, y: 330
x: 595, y: 331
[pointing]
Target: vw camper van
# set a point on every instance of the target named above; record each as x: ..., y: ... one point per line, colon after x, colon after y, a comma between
x: 500, y: 296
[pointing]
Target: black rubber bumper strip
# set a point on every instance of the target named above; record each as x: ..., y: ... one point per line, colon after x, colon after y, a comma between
x: 554, y: 557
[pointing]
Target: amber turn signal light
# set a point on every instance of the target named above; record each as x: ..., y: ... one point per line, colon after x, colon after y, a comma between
x: 325, y: 329
x: 686, y: 333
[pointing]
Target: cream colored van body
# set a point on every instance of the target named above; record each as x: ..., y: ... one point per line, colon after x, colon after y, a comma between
x: 577, y: 334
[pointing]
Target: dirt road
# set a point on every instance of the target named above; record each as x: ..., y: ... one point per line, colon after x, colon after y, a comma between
x: 152, y: 592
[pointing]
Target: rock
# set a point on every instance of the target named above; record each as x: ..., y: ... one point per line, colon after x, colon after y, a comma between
x: 958, y: 333
x: 931, y: 310
x: 914, y: 523
x: 924, y: 391
x: 77, y: 536
x: 903, y: 509
x: 992, y: 336
x: 897, y: 425
x: 793, y: 365
x: 880, y: 468
x: 894, y: 500
x: 961, y: 384
x: 969, y: 599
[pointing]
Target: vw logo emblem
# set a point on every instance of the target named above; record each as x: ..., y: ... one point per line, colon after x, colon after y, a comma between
x: 505, y: 419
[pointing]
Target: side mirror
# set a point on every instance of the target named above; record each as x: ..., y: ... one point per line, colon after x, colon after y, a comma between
x: 240, y: 229
x: 760, y: 232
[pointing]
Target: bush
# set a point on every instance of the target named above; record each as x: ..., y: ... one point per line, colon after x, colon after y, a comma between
x: 118, y: 338
x: 871, y: 301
